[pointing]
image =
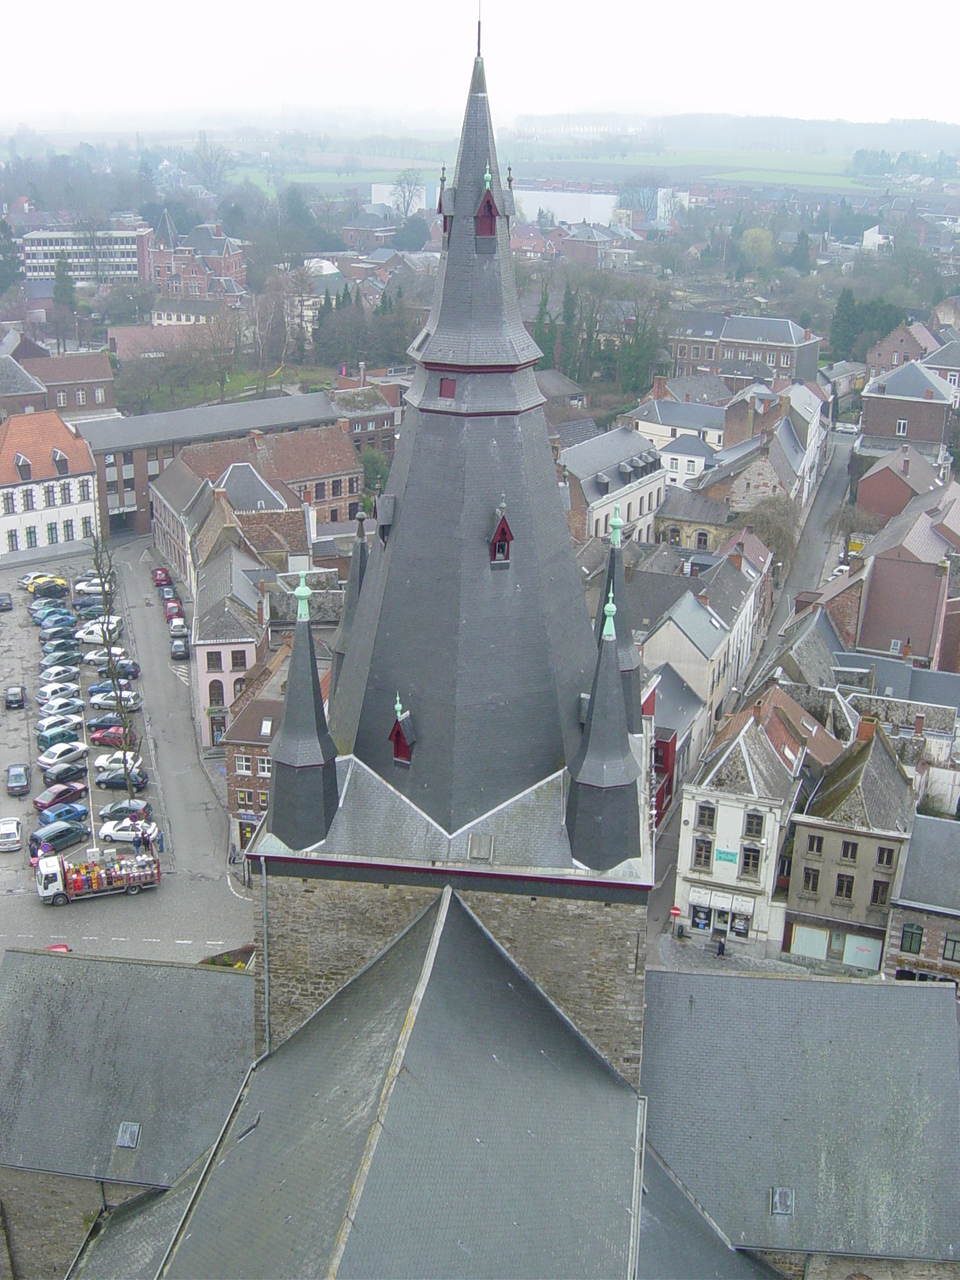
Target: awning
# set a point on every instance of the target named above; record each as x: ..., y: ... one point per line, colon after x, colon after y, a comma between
x: 742, y: 906
x: 721, y: 901
x: 699, y: 897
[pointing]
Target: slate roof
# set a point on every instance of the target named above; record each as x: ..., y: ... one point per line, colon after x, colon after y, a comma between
x: 699, y: 388
x: 677, y: 705
x: 762, y: 329
x: 700, y: 324
x: 555, y: 385
x: 701, y: 628
x: 650, y: 595
x: 601, y: 456
x: 166, y: 235
x: 248, y: 491
x: 226, y: 599
x: 931, y: 868
x: 748, y: 764
x: 674, y: 413
x: 920, y: 476
x: 806, y: 655
x: 441, y: 1090
x: 16, y: 381
x: 947, y: 357
x: 793, y: 450
x: 353, y: 401
x: 248, y: 726
x: 866, y: 787
x: 568, y: 434
x: 903, y: 680
x: 178, y: 486
x: 683, y: 505
x: 871, y: 1082
x: 787, y: 725
x: 689, y: 446
x: 910, y: 381
x: 91, y: 1038
x: 209, y: 422
x: 915, y: 528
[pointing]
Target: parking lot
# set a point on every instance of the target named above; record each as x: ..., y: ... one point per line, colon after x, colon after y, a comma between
x: 196, y: 910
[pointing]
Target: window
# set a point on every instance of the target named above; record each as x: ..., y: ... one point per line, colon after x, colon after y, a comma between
x: 128, y: 457
x: 750, y: 862
x: 84, y: 490
x: 243, y: 764
x: 9, y: 503
x: 319, y: 490
x: 811, y: 880
x: 264, y: 798
x: 695, y: 353
x: 11, y: 540
x: 66, y: 494
x: 216, y: 693
x: 895, y: 357
x: 68, y: 530
x: 814, y: 844
x: 845, y: 887
x: 910, y: 939
x: 61, y: 399
x: 771, y: 357
x: 708, y: 352
x: 703, y: 540
x: 214, y: 661
x: 706, y: 817
x: 245, y: 799
x: 848, y: 850
x: 263, y: 766
x: 49, y: 495
x: 352, y: 510
x: 753, y: 828
x: 238, y: 686
x: 681, y: 352
x: 885, y: 856
x: 702, y: 853
x: 674, y: 464
x: 87, y: 527
x: 951, y: 947
x: 81, y: 397
x: 28, y: 499
x: 358, y: 426
x: 238, y: 659
x: 878, y: 896
x: 51, y: 533
x: 901, y: 426
x: 691, y: 466
x: 353, y: 485
x: 785, y: 360
x: 32, y: 536
x: 99, y: 396
x: 334, y: 515
x: 336, y: 488
x: 448, y: 388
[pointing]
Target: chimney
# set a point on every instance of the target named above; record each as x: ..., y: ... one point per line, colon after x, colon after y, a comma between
x: 907, y: 649
x: 736, y: 557
x: 806, y: 335
x: 918, y: 725
x: 748, y: 528
x: 686, y: 397
x: 262, y: 592
x: 757, y: 710
x: 659, y: 387
x: 856, y: 564
x: 867, y: 728
x: 363, y: 373
x: 256, y: 437
x: 928, y: 394
x: 704, y: 599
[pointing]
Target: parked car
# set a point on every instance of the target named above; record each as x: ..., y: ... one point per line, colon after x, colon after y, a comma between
x: 127, y: 808
x: 98, y: 656
x: 847, y: 429
x: 106, y: 686
x: 114, y: 760
x: 43, y: 580
x: 51, y: 737
x: 125, y: 669
x: 68, y: 771
x: 61, y: 752
x: 128, y: 698
x: 59, y: 720
x: 179, y: 649
x: 172, y: 609
x: 179, y: 629
x: 18, y: 779
x: 115, y: 780
x: 55, y: 589
x: 15, y: 697
x: 71, y: 811
x: 101, y: 631
x: 6, y: 601
x: 59, y: 793
x: 113, y: 737
x: 90, y: 607
x: 108, y: 720
x: 58, y: 689
x: 92, y: 587
x: 49, y: 615
x: 125, y: 830
x: 58, y: 835
x: 58, y: 672
x: 68, y: 648
x: 161, y: 576
x: 27, y: 578
x: 168, y: 592
x: 11, y: 835
x: 59, y: 631
x: 62, y: 706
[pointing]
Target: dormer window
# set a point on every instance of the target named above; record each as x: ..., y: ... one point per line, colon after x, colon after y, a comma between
x: 501, y: 538
x: 448, y: 388
x: 383, y: 514
x: 61, y: 463
x: 486, y: 219
x: 24, y: 469
x: 402, y: 736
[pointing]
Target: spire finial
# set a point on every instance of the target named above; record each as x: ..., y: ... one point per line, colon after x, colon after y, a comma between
x: 478, y: 28
x: 609, y: 612
x: 487, y: 176
x: 510, y: 176
x: 443, y: 175
x: 303, y: 594
x: 616, y: 524
x: 398, y: 706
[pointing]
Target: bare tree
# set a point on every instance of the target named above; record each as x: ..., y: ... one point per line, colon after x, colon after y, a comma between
x: 211, y: 159
x: 406, y: 188
x: 219, y: 343
x: 269, y: 332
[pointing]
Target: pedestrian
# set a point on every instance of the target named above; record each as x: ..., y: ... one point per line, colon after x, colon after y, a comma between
x: 721, y: 947
x: 137, y: 843
x: 160, y: 842
x: 147, y: 847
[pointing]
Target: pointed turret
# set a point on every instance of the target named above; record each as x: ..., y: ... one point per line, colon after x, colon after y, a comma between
x: 631, y: 668
x: 603, y: 803
x: 358, y: 567
x: 487, y: 636
x: 303, y: 778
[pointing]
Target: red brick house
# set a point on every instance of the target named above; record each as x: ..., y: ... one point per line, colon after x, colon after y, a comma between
x: 367, y: 417
x: 247, y: 747
x: 906, y: 342
x: 77, y: 384
x: 894, y: 480
x: 912, y: 404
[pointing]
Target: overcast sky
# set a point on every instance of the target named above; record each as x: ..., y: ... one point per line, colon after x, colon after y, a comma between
x: 131, y: 66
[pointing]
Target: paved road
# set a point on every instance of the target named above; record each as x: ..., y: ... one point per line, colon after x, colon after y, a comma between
x: 198, y: 910
x: 811, y: 551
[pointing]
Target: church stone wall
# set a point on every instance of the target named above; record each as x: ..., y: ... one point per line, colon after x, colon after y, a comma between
x: 587, y: 956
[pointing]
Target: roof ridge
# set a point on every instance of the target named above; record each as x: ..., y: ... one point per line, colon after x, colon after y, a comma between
x: 393, y: 1072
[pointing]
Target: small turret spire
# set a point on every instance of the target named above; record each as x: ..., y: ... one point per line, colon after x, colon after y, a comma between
x: 616, y: 524
x: 609, y: 613
x: 398, y: 706
x: 303, y: 594
x: 487, y: 177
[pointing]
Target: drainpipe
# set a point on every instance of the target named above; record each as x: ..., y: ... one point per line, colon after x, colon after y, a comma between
x: 266, y: 965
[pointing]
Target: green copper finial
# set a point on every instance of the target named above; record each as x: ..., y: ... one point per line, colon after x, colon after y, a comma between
x: 487, y: 176
x: 303, y: 594
x: 398, y: 706
x: 609, y: 610
x: 616, y: 524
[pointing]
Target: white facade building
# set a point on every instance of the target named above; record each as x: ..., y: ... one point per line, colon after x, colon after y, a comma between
x: 48, y: 484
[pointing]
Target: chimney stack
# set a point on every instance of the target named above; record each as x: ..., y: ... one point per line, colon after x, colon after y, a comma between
x: 704, y: 599
x: 806, y: 335
x: 736, y: 557
x: 907, y: 649
x: 363, y: 373
x: 757, y: 710
x: 918, y: 725
x: 659, y: 387
x: 856, y: 564
x: 867, y: 728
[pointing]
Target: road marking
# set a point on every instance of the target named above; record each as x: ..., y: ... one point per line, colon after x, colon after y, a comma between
x: 25, y: 935
x: 184, y: 942
x: 119, y: 939
x: 179, y: 672
x: 150, y: 939
x: 85, y: 938
x: 145, y: 555
x: 216, y: 942
x: 244, y: 897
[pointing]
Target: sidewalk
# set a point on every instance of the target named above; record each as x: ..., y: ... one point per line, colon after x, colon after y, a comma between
x: 695, y: 955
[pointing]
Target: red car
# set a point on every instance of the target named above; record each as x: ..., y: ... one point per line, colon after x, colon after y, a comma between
x: 172, y: 609
x: 161, y: 578
x: 59, y: 794
x: 112, y: 737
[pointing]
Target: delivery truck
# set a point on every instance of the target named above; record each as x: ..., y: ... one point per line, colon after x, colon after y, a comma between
x: 63, y: 879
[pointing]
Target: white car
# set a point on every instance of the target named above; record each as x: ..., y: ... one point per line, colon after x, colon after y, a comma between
x: 125, y: 829
x: 60, y: 673
x: 99, y: 657
x: 62, y: 753
x: 61, y: 706
x: 114, y: 760
x: 129, y: 698
x: 62, y: 689
x: 59, y: 721
x: 11, y: 835
x: 101, y: 632
x: 847, y: 429
x: 92, y: 587
x: 178, y: 629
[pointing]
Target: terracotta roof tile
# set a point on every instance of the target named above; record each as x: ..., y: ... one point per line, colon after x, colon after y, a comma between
x: 82, y: 366
x: 285, y: 457
x: 35, y: 436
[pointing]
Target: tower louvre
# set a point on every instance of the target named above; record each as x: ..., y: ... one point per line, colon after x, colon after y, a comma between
x: 489, y: 645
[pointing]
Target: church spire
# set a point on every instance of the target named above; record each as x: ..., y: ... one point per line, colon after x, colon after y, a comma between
x: 631, y: 668
x: 358, y: 567
x: 603, y: 803
x: 303, y: 777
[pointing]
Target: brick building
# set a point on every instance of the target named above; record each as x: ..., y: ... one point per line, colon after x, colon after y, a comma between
x: 78, y: 384
x: 923, y: 931
x: 203, y: 264
x: 20, y: 392
x: 247, y: 747
x: 896, y: 479
x: 912, y: 404
x: 367, y: 417
x: 619, y: 467
x: 735, y: 346
x: 904, y: 343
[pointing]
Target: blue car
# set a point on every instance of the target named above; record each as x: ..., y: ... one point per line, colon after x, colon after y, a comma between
x: 71, y: 812
x: 106, y: 686
x: 51, y: 617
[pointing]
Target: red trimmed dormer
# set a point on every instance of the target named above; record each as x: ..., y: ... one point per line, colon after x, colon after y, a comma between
x: 402, y: 736
x: 486, y: 216
x: 501, y: 537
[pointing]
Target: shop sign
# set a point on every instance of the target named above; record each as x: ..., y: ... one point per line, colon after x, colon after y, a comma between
x: 743, y: 906
x: 727, y: 855
x: 721, y: 901
x: 700, y: 918
x: 739, y: 925
x: 699, y: 897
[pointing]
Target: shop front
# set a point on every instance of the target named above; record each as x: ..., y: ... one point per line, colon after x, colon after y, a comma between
x: 720, y: 915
